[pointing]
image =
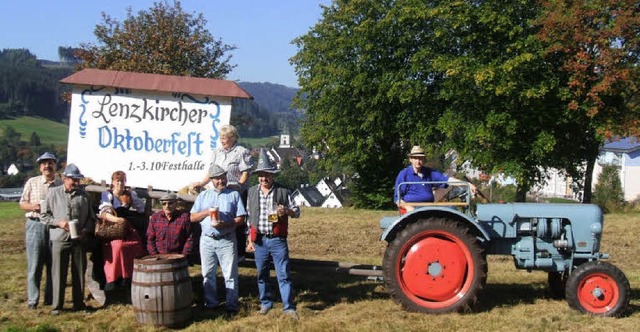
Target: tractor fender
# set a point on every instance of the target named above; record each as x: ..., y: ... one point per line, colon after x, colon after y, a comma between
x: 428, y: 212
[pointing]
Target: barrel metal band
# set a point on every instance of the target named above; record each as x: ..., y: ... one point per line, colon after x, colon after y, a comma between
x: 170, y: 269
x: 162, y: 311
x: 161, y: 283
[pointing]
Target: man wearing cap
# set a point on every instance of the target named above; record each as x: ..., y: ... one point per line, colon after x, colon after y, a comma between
x: 36, y: 234
x: 71, y: 219
x: 169, y: 230
x: 219, y: 211
x: 416, y: 172
x: 269, y: 200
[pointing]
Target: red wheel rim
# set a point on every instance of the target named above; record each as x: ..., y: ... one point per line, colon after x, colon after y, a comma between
x: 435, y: 269
x: 598, y: 293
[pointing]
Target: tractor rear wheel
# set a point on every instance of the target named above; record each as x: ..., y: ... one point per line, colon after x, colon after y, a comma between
x: 599, y: 289
x: 435, y: 266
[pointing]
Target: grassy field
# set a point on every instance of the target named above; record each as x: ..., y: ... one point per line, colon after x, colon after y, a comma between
x: 513, y: 300
x: 56, y: 133
x: 50, y: 132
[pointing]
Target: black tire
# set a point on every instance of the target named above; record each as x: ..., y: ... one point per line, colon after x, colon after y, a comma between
x: 435, y: 266
x: 599, y: 289
x: 557, y: 284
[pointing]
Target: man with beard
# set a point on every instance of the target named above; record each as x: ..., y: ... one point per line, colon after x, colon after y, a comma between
x: 36, y: 240
x: 270, y: 206
x: 219, y: 211
x: 71, y: 219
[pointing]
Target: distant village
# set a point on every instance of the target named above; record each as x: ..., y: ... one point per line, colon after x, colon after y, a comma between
x: 333, y: 192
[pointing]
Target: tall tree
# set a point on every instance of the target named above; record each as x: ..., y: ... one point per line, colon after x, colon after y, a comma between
x: 379, y: 76
x: 595, y: 46
x: 161, y: 40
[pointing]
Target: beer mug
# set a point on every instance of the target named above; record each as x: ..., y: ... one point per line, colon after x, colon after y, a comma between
x: 272, y: 213
x: 73, y: 228
x: 213, y: 214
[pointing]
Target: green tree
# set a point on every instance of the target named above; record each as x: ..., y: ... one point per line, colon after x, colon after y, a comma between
x: 161, y: 40
x: 291, y: 175
x: 594, y: 46
x: 608, y: 191
x: 379, y: 76
x: 35, y: 139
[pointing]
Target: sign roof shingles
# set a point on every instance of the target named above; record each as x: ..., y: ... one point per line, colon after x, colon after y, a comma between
x: 157, y: 82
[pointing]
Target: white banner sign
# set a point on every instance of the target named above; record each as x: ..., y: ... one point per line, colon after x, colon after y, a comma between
x: 163, y: 140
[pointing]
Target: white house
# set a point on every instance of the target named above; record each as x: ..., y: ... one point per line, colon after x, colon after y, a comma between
x: 325, y: 187
x: 307, y: 196
x: 624, y: 154
x: 332, y: 201
x: 326, y: 194
x: 556, y: 185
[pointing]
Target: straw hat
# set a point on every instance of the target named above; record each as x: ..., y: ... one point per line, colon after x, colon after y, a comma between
x: 416, y: 151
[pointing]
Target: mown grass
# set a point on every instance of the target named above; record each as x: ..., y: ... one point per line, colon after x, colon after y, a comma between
x: 50, y: 132
x: 514, y: 300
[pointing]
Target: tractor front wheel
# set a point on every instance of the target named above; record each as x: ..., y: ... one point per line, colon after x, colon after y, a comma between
x: 599, y: 289
x: 435, y: 266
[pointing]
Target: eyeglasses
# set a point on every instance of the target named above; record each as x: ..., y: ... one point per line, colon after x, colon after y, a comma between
x: 166, y: 203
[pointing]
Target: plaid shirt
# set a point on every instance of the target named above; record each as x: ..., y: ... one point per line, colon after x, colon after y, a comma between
x: 166, y: 236
x: 264, y: 226
x: 35, y: 190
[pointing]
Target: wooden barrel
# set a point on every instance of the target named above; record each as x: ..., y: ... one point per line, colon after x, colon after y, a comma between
x: 161, y: 291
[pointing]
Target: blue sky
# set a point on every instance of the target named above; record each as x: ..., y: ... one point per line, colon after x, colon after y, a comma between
x: 261, y: 30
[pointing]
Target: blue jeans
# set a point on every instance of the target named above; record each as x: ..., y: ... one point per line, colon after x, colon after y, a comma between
x: 279, y: 251
x: 220, y: 252
x: 38, y: 256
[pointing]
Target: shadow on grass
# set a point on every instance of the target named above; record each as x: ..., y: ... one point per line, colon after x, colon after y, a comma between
x: 315, y: 288
x: 501, y: 295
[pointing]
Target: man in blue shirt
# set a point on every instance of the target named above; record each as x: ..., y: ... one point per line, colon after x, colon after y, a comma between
x: 219, y: 211
x: 416, y: 172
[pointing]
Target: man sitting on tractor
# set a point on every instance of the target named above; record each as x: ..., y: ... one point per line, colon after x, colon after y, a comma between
x: 416, y: 172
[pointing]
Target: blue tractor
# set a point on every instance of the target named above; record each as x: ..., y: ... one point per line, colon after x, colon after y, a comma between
x: 435, y: 261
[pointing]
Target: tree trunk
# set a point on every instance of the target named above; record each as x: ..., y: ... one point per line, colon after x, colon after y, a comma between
x: 588, y: 177
x: 521, y: 193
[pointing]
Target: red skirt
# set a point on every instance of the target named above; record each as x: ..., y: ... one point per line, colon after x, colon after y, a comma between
x: 119, y: 256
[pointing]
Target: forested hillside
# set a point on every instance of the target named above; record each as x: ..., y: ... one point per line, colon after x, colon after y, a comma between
x: 269, y: 113
x: 30, y: 87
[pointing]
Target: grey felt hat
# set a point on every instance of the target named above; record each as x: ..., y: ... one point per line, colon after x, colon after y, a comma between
x: 265, y: 164
x: 215, y: 171
x: 72, y: 171
x: 169, y: 197
x: 47, y: 156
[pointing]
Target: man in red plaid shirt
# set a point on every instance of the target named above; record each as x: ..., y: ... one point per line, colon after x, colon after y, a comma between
x: 169, y: 230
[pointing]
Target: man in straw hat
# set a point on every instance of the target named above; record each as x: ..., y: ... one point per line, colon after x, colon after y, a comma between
x: 36, y: 240
x: 270, y: 206
x: 220, y: 211
x: 71, y: 219
x: 417, y: 172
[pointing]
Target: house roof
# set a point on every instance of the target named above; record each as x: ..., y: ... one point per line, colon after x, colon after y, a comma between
x: 625, y: 145
x: 288, y: 153
x: 157, y: 82
x: 312, y: 195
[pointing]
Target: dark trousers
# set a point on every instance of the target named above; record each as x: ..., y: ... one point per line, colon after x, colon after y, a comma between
x: 61, y: 253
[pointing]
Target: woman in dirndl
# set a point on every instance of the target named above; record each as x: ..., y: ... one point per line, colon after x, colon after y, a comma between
x: 122, y: 205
